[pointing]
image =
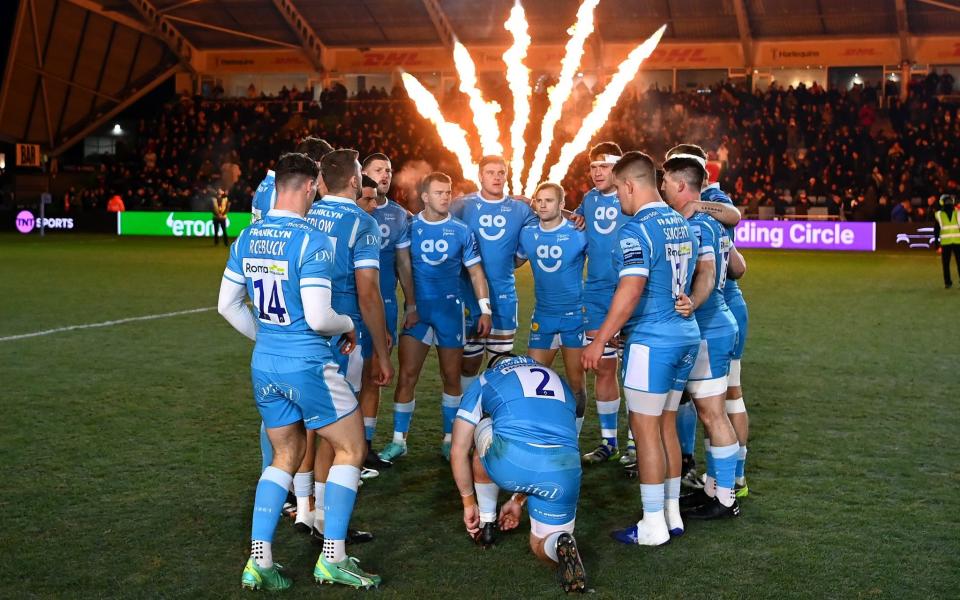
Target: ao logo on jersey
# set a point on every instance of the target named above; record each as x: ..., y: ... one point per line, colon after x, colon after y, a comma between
x: 384, y: 235
x: 602, y: 214
x: 432, y: 246
x: 487, y: 221
x: 549, y: 252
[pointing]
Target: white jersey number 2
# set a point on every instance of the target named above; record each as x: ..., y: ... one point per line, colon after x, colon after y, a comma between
x: 538, y: 382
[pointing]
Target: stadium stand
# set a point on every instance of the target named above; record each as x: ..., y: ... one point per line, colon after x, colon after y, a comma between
x: 794, y: 151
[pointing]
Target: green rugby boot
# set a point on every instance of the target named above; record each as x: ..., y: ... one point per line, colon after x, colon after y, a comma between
x: 603, y: 453
x: 445, y: 450
x: 393, y: 451
x: 270, y: 579
x: 345, y: 572
x: 742, y: 491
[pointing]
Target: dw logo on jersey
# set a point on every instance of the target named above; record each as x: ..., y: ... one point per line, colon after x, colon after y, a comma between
x: 384, y: 235
x: 434, y: 246
x: 549, y: 252
x: 602, y: 214
x: 488, y: 221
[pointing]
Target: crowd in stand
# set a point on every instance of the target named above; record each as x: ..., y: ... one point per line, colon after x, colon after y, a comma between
x: 783, y: 151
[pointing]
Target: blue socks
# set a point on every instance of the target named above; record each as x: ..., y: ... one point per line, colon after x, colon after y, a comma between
x: 725, y: 466
x: 741, y: 462
x: 402, y: 415
x: 651, y: 496
x: 271, y: 493
x: 338, y: 499
x: 687, y: 427
x: 369, y: 428
x: 449, y: 405
x: 266, y: 448
x: 608, y: 411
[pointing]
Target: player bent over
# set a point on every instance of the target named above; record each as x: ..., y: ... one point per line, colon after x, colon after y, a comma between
x: 284, y: 265
x: 439, y: 244
x: 556, y: 251
x: 682, y: 182
x: 527, y: 444
x: 655, y: 254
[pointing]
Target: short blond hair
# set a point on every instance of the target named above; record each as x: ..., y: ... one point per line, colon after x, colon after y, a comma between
x: 550, y: 185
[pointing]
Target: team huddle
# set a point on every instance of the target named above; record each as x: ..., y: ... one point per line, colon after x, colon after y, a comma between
x: 659, y: 316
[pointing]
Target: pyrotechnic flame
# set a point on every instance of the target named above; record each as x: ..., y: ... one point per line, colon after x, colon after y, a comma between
x: 603, y: 104
x: 518, y: 78
x: 452, y: 136
x: 569, y: 66
x: 484, y: 113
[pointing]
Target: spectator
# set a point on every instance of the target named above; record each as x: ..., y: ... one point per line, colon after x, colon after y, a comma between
x: 902, y: 212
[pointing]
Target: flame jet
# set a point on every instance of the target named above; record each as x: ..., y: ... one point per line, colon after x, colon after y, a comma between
x: 569, y: 66
x: 452, y: 136
x: 484, y: 113
x: 518, y: 79
x: 603, y: 104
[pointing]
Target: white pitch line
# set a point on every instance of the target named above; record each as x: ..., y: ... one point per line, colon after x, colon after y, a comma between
x: 21, y: 336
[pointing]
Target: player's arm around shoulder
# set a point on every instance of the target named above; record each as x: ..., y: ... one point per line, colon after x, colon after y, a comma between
x: 726, y: 214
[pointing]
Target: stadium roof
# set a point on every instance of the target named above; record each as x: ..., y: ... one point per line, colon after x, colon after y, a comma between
x: 74, y: 63
x: 207, y: 23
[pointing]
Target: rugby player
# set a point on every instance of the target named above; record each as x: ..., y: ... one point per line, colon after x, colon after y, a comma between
x: 736, y: 409
x: 441, y: 247
x: 263, y: 201
x: 266, y: 195
x: 556, y: 251
x: 682, y: 182
x: 285, y: 266
x: 655, y: 258
x: 356, y: 287
x: 394, y: 223
x: 496, y: 220
x: 367, y: 201
x: 600, y: 214
x: 527, y: 444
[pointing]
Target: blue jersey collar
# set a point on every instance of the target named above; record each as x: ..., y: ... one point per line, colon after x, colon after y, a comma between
x: 557, y: 228
x: 440, y: 222
x: 652, y: 205
x: 607, y: 195
x: 287, y: 214
x: 338, y: 200
x: 497, y: 201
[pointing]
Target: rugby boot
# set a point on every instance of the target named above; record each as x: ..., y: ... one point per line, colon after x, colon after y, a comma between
x: 693, y: 500
x: 570, y: 572
x: 651, y: 530
x: 741, y: 490
x: 270, y: 579
x: 601, y: 454
x: 373, y: 461
x: 346, y: 572
x: 714, y: 510
x: 487, y: 536
x: 392, y: 452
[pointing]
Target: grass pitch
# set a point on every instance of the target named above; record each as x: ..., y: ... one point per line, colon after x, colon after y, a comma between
x: 130, y: 452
